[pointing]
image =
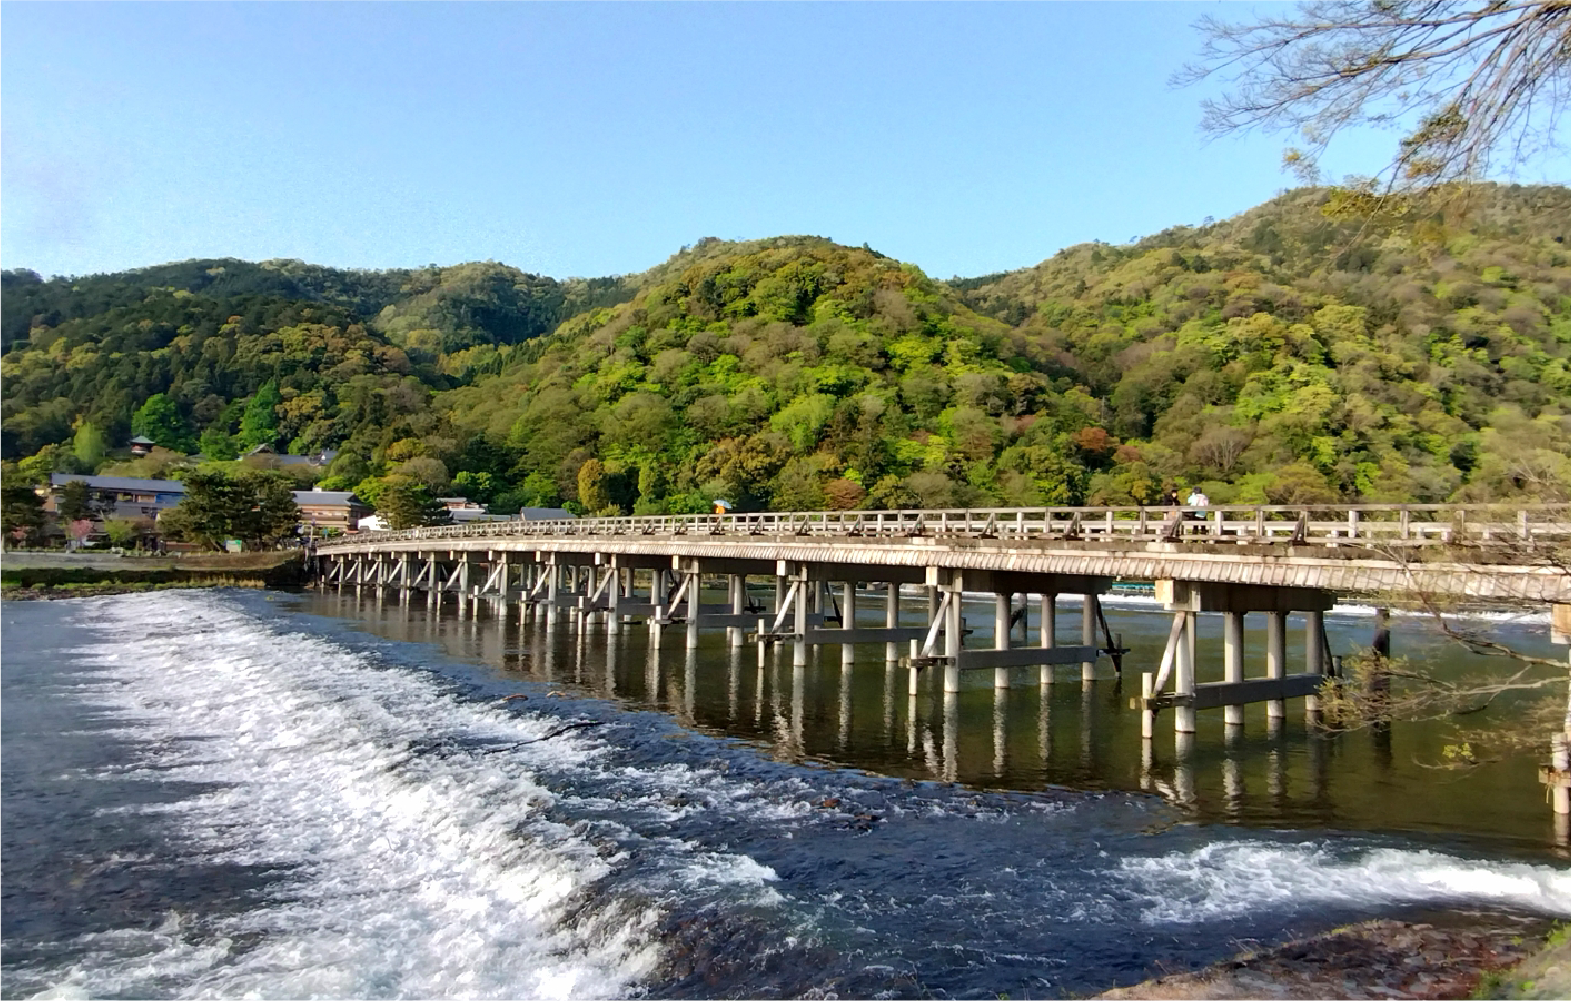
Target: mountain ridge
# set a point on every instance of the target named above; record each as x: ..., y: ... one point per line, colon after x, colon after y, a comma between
x: 1285, y: 353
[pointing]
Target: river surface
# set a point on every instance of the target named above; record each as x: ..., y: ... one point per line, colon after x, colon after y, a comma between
x: 220, y: 794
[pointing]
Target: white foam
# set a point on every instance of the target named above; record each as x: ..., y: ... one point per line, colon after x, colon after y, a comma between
x: 1232, y: 879
x: 429, y: 874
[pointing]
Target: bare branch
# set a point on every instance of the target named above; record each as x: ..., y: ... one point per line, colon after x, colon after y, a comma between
x: 1481, y: 78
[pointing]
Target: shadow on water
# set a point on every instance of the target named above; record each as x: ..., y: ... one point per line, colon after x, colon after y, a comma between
x: 1028, y: 737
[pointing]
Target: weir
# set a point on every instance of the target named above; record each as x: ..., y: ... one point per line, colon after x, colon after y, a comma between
x: 807, y: 580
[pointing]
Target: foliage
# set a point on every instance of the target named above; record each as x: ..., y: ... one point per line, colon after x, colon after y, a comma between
x: 21, y: 509
x: 76, y: 501
x: 122, y: 531
x: 407, y: 504
x: 1293, y: 354
x: 259, y: 422
x: 159, y: 420
x: 88, y: 446
x: 255, y: 506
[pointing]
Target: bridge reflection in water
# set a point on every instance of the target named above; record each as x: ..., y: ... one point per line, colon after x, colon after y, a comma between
x: 1025, y: 737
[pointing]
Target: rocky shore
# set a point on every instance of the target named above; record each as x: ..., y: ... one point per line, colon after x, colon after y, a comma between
x: 1451, y: 955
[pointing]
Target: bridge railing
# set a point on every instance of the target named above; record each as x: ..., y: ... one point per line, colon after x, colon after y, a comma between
x: 1336, y: 524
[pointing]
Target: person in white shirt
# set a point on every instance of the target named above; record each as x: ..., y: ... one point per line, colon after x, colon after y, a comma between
x: 1197, y: 498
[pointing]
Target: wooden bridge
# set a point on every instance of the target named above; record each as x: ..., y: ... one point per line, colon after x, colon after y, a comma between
x: 1231, y: 559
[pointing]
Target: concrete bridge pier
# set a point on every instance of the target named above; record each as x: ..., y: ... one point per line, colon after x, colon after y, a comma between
x: 553, y: 588
x: 1047, y: 626
x: 848, y: 623
x: 1088, y: 610
x: 736, y: 597
x: 891, y: 620
x: 1314, y: 657
x: 1003, y: 606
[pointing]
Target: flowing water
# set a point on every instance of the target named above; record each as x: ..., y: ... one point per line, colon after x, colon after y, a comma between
x: 211, y: 793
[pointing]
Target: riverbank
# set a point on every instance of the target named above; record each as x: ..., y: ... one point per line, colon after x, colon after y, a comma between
x: 1450, y: 955
x: 22, y: 578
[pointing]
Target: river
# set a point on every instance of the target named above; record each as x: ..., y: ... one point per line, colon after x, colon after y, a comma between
x: 222, y: 793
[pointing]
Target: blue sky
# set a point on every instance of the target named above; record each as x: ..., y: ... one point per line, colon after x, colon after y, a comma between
x: 591, y: 139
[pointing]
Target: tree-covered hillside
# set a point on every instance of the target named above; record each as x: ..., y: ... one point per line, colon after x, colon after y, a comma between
x: 1293, y: 353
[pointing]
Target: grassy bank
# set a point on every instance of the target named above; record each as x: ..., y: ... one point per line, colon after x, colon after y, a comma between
x: 208, y: 570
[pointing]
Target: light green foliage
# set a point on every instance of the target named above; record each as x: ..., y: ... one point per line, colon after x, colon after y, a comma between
x: 158, y: 419
x: 88, y: 446
x: 121, y: 531
x: 259, y: 422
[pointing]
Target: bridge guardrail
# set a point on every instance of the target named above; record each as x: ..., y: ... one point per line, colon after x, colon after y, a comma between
x: 1399, y: 525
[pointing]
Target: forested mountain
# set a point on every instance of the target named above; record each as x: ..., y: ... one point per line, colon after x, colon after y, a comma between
x: 1293, y: 353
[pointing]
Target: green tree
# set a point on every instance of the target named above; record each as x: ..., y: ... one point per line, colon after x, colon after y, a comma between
x: 259, y: 422
x: 76, y: 501
x: 218, y: 445
x: 121, y: 531
x: 88, y: 446
x: 255, y: 506
x: 159, y: 420
x: 21, y: 509
x: 406, y: 504
x: 593, y: 492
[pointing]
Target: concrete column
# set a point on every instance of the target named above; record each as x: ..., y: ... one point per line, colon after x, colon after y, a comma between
x: 553, y: 584
x: 954, y: 634
x: 781, y: 586
x: 891, y: 620
x: 613, y: 618
x: 1233, y: 661
x: 1184, y: 676
x: 848, y: 621
x: 1276, y: 658
x: 694, y: 589
x: 1314, y: 660
x: 951, y: 771
x: 1088, y: 635
x: 799, y: 648
x: 1048, y: 628
x: 1147, y: 716
x: 738, y: 594
x: 1559, y: 764
x: 1002, y: 606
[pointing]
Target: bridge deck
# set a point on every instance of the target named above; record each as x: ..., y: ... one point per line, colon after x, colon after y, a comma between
x: 1479, y: 552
